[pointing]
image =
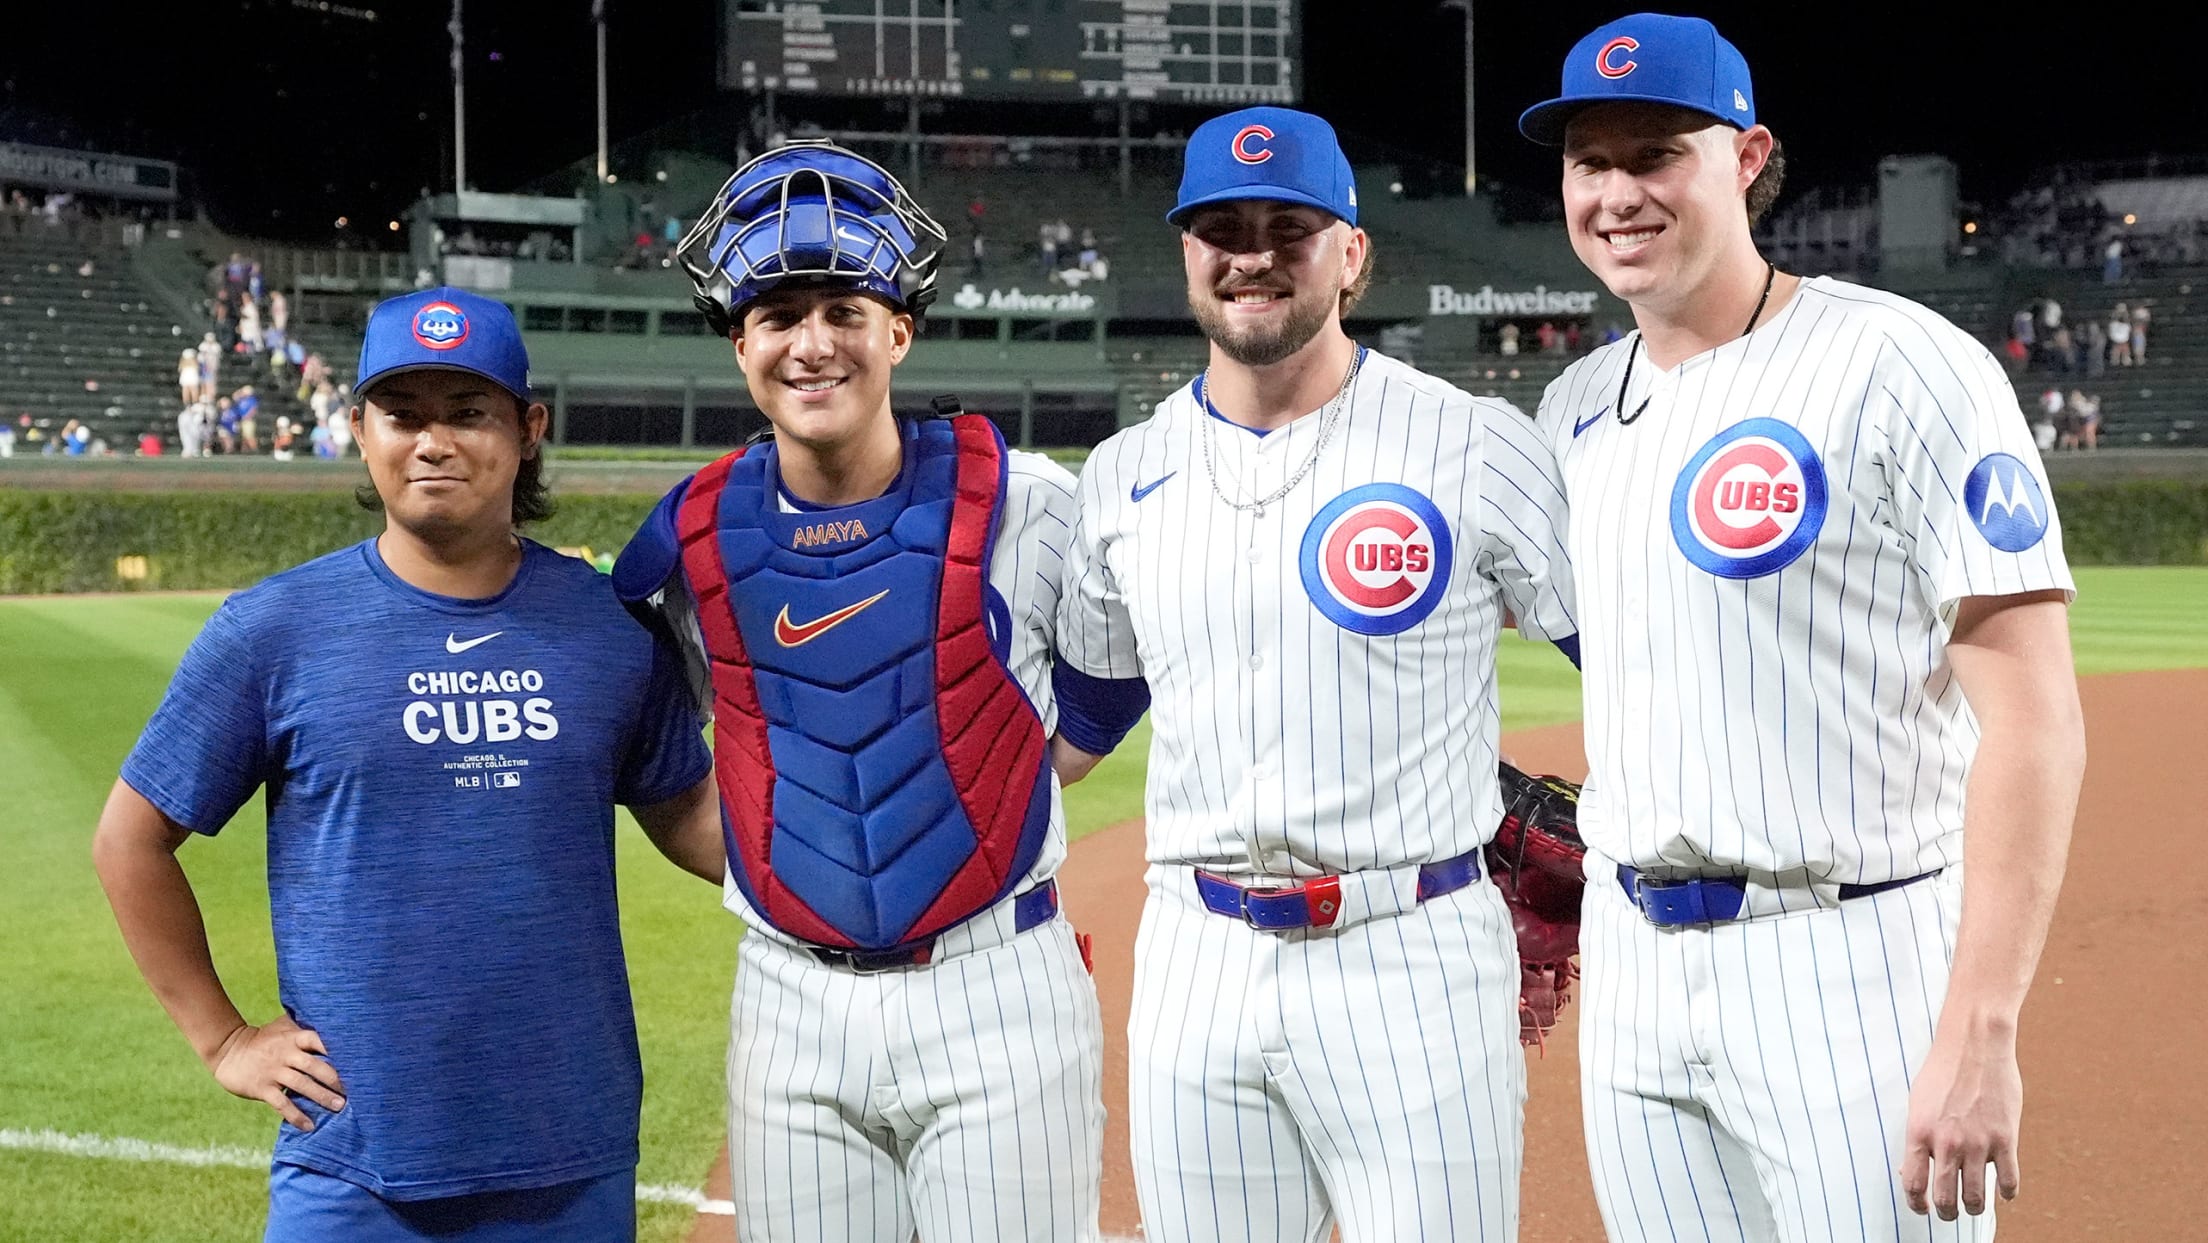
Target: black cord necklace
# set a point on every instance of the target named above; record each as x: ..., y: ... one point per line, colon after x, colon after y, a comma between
x: 1770, y: 272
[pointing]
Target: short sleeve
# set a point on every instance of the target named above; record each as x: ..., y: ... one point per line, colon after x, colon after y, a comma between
x: 205, y: 750
x: 1969, y: 493
x: 1095, y: 634
x: 1522, y: 523
x: 666, y: 754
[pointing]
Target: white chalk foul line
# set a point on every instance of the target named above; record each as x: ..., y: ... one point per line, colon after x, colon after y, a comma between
x: 226, y: 1156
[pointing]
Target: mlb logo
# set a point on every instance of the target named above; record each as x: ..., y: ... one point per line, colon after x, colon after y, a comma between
x: 506, y: 781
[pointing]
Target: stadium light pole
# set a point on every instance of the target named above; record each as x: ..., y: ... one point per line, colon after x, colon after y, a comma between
x: 598, y: 17
x: 459, y: 108
x: 1471, y: 181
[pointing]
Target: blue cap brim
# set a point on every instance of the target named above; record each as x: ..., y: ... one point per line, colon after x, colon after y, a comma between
x: 361, y: 386
x: 1546, y: 122
x: 1255, y: 192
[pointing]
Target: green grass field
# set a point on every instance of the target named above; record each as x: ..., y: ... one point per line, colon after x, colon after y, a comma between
x: 89, y: 1052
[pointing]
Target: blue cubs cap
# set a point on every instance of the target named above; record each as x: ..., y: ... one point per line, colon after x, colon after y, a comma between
x: 1648, y: 58
x: 1277, y: 154
x: 444, y: 328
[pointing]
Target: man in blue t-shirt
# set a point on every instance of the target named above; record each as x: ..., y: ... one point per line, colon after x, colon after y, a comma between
x: 456, y: 1057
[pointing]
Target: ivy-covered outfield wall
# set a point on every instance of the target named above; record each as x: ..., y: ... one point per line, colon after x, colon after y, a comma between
x: 73, y: 541
x: 60, y: 541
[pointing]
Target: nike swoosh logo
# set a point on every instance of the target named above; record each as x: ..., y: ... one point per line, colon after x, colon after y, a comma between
x: 455, y: 646
x: 849, y: 236
x: 791, y: 634
x: 1142, y: 490
x: 1590, y: 421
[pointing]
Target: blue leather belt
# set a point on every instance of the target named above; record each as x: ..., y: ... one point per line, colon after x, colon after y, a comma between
x: 1030, y: 910
x: 1714, y: 899
x: 1317, y: 902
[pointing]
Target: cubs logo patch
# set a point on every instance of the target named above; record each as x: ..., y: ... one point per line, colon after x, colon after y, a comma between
x: 1750, y: 501
x: 1248, y: 145
x: 440, y: 325
x: 2005, y: 503
x: 1376, y: 559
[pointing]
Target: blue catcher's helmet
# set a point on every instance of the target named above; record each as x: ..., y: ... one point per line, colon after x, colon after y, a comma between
x: 813, y: 211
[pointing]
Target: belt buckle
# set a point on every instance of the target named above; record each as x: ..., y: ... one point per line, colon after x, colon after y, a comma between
x: 1249, y: 917
x: 859, y: 962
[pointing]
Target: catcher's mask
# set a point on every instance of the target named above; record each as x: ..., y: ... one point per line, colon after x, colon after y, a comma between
x: 815, y: 212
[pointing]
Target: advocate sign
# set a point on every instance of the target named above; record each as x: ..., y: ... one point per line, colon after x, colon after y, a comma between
x: 1539, y: 300
x: 971, y: 298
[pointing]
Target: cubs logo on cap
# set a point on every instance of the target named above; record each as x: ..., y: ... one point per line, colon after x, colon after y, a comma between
x: 1649, y: 58
x: 440, y: 325
x: 1376, y: 559
x: 444, y: 329
x: 1750, y: 501
x: 1276, y: 154
x: 2005, y: 503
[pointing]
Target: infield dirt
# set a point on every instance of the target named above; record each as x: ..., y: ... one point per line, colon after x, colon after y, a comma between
x: 2116, y: 1093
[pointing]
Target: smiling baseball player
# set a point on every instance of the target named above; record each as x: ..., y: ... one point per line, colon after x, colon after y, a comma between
x: 1305, y: 557
x: 916, y: 1043
x: 1827, y: 675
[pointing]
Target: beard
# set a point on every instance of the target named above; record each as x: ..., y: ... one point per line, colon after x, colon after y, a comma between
x: 1261, y: 347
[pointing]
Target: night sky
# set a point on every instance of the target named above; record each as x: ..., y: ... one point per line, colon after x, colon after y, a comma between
x: 286, y: 115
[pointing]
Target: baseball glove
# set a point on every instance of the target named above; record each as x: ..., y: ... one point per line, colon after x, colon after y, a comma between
x: 1536, y: 860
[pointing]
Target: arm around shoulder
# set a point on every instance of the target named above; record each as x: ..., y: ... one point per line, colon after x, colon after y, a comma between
x: 687, y: 829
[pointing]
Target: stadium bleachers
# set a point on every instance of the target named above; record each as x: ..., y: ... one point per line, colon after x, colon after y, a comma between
x: 86, y: 345
x: 2163, y: 401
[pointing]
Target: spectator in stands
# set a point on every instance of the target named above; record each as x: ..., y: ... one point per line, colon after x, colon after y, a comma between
x: 210, y: 359
x: 251, y: 340
x: 279, y: 311
x: 7, y: 439
x: 2119, y: 336
x: 281, y: 450
x: 1547, y: 337
x: 1046, y: 243
x: 2140, y: 317
x: 247, y: 403
x: 187, y: 376
x: 2054, y: 410
x: 341, y: 428
x: 2063, y: 350
x: 2112, y: 259
x: 319, y: 438
x: 226, y: 426
x: 74, y: 438
x: 976, y: 253
x: 312, y: 372
x: 2083, y: 415
x: 2096, y: 347
x: 190, y: 429
x: 2043, y: 429
x: 18, y: 213
x: 253, y: 287
x: 1506, y: 338
x: 149, y: 443
x: 1571, y: 337
x: 2015, y: 355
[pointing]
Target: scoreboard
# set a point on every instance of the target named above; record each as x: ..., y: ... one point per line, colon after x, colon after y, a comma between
x: 1168, y: 51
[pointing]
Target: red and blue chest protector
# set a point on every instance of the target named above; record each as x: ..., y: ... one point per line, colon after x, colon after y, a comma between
x: 882, y: 775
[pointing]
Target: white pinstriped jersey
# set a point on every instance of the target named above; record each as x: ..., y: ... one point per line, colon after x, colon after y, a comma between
x: 1768, y: 561
x: 1322, y: 676
x: 1025, y: 571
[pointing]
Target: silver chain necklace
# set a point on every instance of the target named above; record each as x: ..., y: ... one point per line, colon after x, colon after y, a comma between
x: 1329, y: 415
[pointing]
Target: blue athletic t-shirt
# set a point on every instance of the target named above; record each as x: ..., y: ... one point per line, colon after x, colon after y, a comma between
x: 441, y: 778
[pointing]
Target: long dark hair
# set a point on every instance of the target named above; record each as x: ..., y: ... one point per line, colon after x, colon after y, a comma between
x: 532, y: 499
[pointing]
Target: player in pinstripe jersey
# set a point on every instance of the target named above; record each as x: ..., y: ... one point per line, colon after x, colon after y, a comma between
x: 1827, y: 677
x: 1306, y: 557
x: 916, y: 1047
